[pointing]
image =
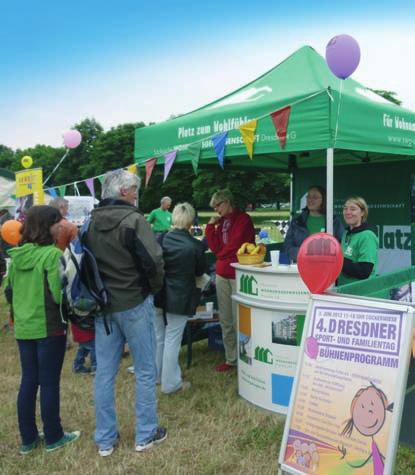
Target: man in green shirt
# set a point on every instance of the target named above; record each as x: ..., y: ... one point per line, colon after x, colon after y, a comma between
x: 160, y: 218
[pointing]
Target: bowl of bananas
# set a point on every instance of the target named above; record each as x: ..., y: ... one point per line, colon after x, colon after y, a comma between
x: 250, y: 253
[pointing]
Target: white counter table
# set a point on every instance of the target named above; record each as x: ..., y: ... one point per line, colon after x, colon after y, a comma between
x: 271, y: 304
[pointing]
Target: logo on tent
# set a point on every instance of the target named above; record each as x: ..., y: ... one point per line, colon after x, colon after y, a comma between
x: 263, y: 354
x: 247, y: 95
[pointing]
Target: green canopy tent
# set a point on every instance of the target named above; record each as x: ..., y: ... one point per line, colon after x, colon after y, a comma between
x: 327, y: 114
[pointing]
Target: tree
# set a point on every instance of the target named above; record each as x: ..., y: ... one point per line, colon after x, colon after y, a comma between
x: 7, y: 157
x: 388, y: 95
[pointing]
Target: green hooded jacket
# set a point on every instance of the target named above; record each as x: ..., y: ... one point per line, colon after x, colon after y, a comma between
x: 33, y: 288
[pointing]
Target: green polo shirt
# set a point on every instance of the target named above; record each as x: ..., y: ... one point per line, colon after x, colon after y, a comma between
x: 359, y: 247
x: 160, y: 219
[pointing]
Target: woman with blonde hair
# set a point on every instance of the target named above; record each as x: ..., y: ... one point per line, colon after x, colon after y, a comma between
x: 184, y: 260
x: 359, y: 243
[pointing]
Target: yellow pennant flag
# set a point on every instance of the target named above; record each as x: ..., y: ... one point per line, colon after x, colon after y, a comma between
x: 132, y: 168
x: 248, y: 135
x: 29, y: 182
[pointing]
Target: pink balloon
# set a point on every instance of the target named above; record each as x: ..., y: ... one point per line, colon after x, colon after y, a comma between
x: 72, y: 138
x: 311, y: 347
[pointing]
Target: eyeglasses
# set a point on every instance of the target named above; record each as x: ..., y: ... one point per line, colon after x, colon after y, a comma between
x: 216, y: 205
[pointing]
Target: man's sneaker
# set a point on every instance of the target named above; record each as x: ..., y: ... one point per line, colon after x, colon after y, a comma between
x: 130, y: 369
x: 106, y: 452
x: 68, y: 437
x: 28, y: 448
x: 159, y: 436
x: 221, y: 368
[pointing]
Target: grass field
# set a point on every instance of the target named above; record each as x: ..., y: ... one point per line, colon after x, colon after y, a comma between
x: 211, y: 430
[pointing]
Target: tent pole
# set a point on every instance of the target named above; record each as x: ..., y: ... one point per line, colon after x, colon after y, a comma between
x: 291, y: 196
x: 329, y: 188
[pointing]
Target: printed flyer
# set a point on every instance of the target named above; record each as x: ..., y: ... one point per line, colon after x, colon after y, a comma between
x: 349, y: 388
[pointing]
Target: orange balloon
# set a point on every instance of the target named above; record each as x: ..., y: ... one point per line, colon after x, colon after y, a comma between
x: 11, y: 232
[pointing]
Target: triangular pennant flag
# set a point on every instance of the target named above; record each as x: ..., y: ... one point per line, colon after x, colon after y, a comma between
x: 169, y: 159
x: 101, y: 178
x: 150, y: 164
x: 280, y: 119
x: 248, y: 135
x: 194, y: 150
x: 132, y: 168
x: 62, y: 190
x: 90, y: 184
x: 52, y: 192
x: 219, y: 142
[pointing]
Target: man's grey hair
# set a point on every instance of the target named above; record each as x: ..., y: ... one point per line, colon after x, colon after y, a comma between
x: 165, y: 198
x: 59, y: 203
x: 119, y: 180
x: 183, y: 216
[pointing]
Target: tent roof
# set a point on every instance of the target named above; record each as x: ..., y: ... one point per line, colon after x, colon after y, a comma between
x: 325, y: 112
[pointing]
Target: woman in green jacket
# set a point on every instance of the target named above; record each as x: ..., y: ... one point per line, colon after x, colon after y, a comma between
x: 33, y: 288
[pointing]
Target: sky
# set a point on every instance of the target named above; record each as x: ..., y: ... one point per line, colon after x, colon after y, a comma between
x: 131, y: 60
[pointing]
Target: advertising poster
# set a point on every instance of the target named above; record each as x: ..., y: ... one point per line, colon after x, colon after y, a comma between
x: 347, y: 401
x: 268, y: 348
x: 29, y: 182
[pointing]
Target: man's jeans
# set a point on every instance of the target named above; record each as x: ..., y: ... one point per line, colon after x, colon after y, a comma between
x: 134, y: 326
x: 169, y: 340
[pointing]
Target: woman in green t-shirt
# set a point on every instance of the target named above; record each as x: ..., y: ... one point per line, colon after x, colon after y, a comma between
x: 311, y: 220
x: 359, y: 243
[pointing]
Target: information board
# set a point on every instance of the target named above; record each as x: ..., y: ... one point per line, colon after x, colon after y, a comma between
x: 346, y: 405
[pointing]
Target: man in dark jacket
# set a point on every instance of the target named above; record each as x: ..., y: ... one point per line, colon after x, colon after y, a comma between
x: 131, y: 266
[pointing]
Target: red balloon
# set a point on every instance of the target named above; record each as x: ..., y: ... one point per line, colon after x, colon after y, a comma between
x: 11, y: 232
x: 320, y: 261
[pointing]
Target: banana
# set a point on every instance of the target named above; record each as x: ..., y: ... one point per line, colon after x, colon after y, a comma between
x: 255, y: 251
x: 242, y: 249
x: 250, y: 247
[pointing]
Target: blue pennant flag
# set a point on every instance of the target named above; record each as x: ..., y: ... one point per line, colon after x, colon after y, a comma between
x: 219, y: 142
x: 53, y: 192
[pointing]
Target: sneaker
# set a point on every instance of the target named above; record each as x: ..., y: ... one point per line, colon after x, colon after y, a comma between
x: 221, y: 368
x: 81, y: 369
x: 106, y: 452
x: 68, y: 437
x: 185, y: 386
x: 28, y: 448
x: 130, y: 369
x: 159, y: 436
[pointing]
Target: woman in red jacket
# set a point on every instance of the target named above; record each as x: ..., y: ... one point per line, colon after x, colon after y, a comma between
x: 225, y: 235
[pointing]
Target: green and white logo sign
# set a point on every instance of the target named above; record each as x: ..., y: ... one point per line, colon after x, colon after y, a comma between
x: 248, y: 285
x: 263, y: 354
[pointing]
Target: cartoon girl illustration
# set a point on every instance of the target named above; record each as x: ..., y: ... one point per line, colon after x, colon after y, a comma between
x: 368, y: 413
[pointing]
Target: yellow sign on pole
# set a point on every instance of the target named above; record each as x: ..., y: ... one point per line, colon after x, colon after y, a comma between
x: 29, y: 182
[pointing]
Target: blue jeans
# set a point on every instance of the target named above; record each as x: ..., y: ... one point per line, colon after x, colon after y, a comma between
x: 41, y: 362
x: 169, y: 340
x: 85, y: 349
x: 134, y: 326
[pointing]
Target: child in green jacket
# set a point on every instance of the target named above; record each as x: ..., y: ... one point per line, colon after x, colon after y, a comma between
x: 33, y: 289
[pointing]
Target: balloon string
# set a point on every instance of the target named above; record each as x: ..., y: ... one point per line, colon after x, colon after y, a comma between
x: 338, y: 112
x: 57, y: 166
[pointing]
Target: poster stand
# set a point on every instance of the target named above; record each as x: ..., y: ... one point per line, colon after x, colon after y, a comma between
x: 346, y: 405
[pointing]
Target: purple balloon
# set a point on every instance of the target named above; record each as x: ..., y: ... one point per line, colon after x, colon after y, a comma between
x: 72, y: 138
x: 343, y: 55
x: 311, y: 347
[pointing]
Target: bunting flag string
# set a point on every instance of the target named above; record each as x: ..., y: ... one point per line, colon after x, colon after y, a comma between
x: 194, y: 150
x: 90, y: 184
x: 219, y: 142
x: 150, y: 164
x: 169, y: 159
x: 248, y: 135
x: 280, y: 120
